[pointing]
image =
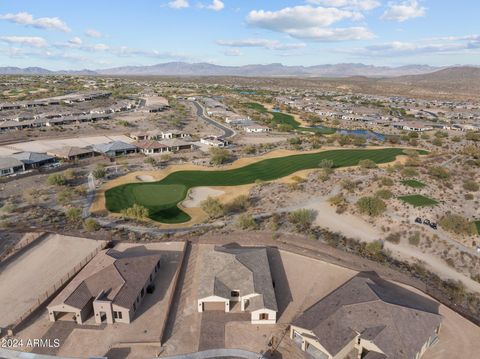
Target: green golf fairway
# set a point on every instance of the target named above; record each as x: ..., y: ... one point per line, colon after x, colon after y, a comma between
x: 286, y: 119
x: 162, y: 197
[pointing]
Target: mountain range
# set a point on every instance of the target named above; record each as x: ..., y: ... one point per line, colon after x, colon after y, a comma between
x: 207, y: 69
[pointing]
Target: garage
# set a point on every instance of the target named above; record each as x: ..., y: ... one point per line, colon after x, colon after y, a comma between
x: 209, y: 306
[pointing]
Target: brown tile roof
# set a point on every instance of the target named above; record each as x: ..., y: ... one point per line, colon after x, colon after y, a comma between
x: 397, y: 320
x: 118, y: 275
x: 148, y: 144
x: 244, y: 269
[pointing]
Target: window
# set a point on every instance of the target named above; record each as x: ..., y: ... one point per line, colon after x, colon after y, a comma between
x: 235, y: 294
x: 134, y: 306
x: 263, y: 316
x: 142, y: 293
x: 117, y: 315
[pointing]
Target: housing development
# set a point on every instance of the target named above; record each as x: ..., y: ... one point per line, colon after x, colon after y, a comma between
x: 169, y: 189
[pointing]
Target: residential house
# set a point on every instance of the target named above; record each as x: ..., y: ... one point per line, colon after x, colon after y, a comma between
x: 115, y: 148
x: 150, y: 147
x: 368, y: 318
x: 257, y: 129
x: 72, y: 153
x: 10, y: 165
x: 214, y: 141
x: 237, y: 279
x: 34, y: 159
x: 111, y: 286
x: 169, y: 134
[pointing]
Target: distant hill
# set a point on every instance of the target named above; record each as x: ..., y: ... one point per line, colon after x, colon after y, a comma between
x: 258, y: 70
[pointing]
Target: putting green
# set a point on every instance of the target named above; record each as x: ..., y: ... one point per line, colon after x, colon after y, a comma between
x: 162, y: 197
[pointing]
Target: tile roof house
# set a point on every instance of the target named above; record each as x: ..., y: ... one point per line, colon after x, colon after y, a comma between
x: 111, y: 286
x: 10, y: 165
x: 371, y: 318
x: 115, y: 148
x: 72, y: 153
x: 34, y: 159
x: 238, y: 275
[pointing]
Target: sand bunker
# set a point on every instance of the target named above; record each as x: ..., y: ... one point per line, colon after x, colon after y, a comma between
x: 198, y: 194
x: 145, y: 178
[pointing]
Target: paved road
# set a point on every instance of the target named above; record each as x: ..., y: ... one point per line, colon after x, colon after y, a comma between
x: 227, y: 132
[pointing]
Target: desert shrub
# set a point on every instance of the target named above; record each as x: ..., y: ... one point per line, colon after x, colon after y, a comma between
x: 374, y: 248
x: 439, y: 173
x: 31, y: 195
x: 386, y: 181
x: 302, y: 218
x: 372, y: 206
x: 472, y: 151
x: 324, y: 174
x: 99, y: 171
x: 367, y: 164
x: 81, y: 190
x: 70, y: 174
x: 91, y: 225
x: 457, y: 224
x: 384, y: 194
x: 64, y: 196
x: 337, y: 200
x: 250, y: 150
x: 471, y: 185
x: 245, y: 221
x: 414, y: 239
x: 137, y: 212
x: 409, y: 172
x: 7, y: 207
x: 150, y: 161
x: 394, y: 237
x: 349, y: 185
x: 238, y: 204
x: 56, y: 179
x: 74, y: 215
x: 326, y: 164
x: 473, y: 136
x: 437, y: 142
x: 219, y: 155
x: 212, y: 207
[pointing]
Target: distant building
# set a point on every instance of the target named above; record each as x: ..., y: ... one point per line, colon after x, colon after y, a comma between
x: 10, y: 166
x: 169, y: 134
x: 115, y: 148
x: 214, y: 141
x: 34, y: 159
x: 368, y: 318
x: 257, y: 129
x: 72, y: 153
x: 238, y: 276
x: 150, y: 147
x: 111, y: 286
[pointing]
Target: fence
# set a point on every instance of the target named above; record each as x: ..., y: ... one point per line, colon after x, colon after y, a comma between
x: 53, y: 289
x: 26, y: 241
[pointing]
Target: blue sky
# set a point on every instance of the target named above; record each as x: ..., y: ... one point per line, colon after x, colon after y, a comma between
x: 59, y: 34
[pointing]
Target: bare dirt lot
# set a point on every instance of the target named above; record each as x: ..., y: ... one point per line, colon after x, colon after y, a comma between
x: 34, y: 272
x: 96, y: 340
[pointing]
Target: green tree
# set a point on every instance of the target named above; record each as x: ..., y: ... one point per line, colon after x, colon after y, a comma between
x: 372, y: 206
x: 219, y: 155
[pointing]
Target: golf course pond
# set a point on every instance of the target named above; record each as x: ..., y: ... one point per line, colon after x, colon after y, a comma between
x: 162, y: 197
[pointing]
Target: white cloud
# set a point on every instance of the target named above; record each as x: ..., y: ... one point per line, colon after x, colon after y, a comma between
x: 75, y: 41
x: 33, y: 41
x: 313, y: 23
x: 264, y: 43
x: 179, y: 4
x: 363, y: 5
x: 25, y: 18
x: 233, y: 52
x: 93, y: 33
x: 333, y: 34
x: 441, y: 45
x: 404, y: 11
x: 299, y: 17
x: 216, y: 5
